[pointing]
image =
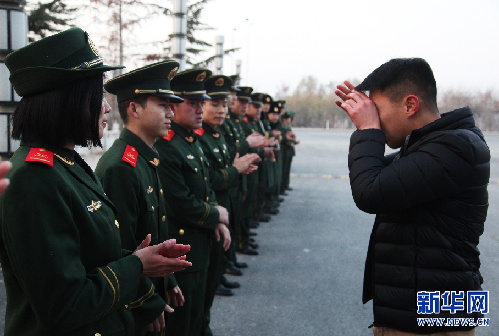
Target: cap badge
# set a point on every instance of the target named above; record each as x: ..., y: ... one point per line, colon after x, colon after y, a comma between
x: 276, y: 109
x: 201, y: 76
x: 172, y: 73
x: 155, y: 162
x: 219, y: 82
x: 150, y: 190
x: 190, y: 157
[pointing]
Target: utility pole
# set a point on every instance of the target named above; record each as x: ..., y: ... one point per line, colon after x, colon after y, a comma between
x: 219, y: 54
x: 179, y: 36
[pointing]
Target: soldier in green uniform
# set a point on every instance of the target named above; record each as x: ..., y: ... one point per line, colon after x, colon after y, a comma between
x: 129, y: 167
x: 288, y: 148
x: 242, y: 143
x: 65, y: 270
x: 194, y: 216
x: 256, y: 190
x: 275, y: 128
x: 224, y: 175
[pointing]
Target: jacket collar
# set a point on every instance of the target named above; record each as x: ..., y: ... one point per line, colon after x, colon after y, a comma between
x: 188, y: 136
x: 148, y: 153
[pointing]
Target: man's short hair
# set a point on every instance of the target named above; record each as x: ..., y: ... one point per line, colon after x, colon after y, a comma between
x: 400, y: 77
x: 123, y: 105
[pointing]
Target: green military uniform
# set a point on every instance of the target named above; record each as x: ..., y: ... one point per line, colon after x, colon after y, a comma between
x: 128, y: 173
x: 288, y: 151
x: 85, y: 284
x: 129, y: 167
x: 190, y: 201
x: 65, y: 270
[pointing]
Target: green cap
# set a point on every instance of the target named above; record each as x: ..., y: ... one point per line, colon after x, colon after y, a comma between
x: 275, y: 107
x: 153, y: 79
x: 244, y: 93
x: 218, y: 86
x: 286, y: 115
x: 190, y: 84
x: 267, y: 99
x: 235, y: 80
x: 54, y: 61
x: 257, y: 98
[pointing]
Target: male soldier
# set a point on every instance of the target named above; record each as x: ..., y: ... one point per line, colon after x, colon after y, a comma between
x: 430, y: 200
x: 287, y: 149
x: 224, y: 175
x: 242, y: 144
x: 256, y: 188
x: 128, y: 170
x: 194, y: 217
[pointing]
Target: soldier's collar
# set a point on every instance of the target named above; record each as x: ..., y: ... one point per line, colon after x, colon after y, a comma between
x: 148, y: 153
x: 188, y: 136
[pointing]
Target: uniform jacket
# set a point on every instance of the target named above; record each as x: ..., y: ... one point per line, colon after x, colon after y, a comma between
x: 189, y: 198
x: 223, y: 176
x: 64, y: 268
x: 128, y: 173
x: 431, y: 203
x: 236, y: 142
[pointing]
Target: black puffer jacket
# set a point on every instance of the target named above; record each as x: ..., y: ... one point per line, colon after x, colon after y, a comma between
x: 431, y: 203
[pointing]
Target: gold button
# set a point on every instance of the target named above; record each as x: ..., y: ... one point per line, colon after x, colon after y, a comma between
x: 152, y: 207
x: 207, y: 198
x: 196, y: 170
x: 97, y: 334
x: 181, y: 232
x: 220, y: 160
x: 116, y: 223
x: 223, y: 151
x: 126, y: 306
x: 205, y: 178
x: 201, y: 159
x: 163, y: 218
x: 226, y: 166
x: 161, y: 191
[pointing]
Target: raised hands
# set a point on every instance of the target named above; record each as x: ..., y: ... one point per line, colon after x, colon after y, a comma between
x: 359, y: 107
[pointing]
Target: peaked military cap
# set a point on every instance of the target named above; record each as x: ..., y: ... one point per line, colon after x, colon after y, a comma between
x: 286, y: 115
x: 244, y: 93
x: 267, y: 99
x: 275, y: 107
x: 235, y: 81
x: 190, y: 84
x: 54, y: 61
x: 257, y: 98
x: 153, y: 79
x: 218, y: 86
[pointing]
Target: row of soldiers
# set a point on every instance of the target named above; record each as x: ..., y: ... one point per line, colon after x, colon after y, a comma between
x: 186, y: 167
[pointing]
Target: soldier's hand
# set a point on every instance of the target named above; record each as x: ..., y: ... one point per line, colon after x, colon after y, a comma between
x: 269, y: 152
x: 4, y: 168
x: 256, y: 140
x: 154, y: 263
x: 222, y: 230
x: 224, y: 215
x: 159, y: 323
x: 244, y: 165
x: 175, y: 297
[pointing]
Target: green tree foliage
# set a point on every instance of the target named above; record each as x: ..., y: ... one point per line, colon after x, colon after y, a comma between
x: 48, y: 18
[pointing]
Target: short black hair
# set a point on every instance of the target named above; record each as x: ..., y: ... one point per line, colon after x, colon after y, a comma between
x: 402, y: 76
x: 123, y: 105
x: 64, y: 115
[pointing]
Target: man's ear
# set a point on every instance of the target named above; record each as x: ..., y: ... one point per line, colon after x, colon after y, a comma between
x: 412, y: 105
x: 132, y: 110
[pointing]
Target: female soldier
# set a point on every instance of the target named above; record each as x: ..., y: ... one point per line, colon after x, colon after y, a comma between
x: 64, y: 269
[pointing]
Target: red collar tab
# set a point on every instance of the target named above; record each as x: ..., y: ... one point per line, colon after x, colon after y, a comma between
x: 41, y: 155
x: 199, y: 131
x: 169, y: 135
x: 130, y: 156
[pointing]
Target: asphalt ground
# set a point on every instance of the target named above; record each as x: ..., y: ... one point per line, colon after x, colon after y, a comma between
x: 307, y: 279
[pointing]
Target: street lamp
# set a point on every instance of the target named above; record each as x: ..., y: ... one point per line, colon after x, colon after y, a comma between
x: 13, y: 35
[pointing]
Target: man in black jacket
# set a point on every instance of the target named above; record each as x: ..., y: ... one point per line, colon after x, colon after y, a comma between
x: 430, y: 200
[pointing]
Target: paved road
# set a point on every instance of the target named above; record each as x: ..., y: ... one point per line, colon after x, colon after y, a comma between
x: 307, y: 279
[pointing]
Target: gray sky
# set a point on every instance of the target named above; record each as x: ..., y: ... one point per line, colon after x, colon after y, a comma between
x: 283, y: 41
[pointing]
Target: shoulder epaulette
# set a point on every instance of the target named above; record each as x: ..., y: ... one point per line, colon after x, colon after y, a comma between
x: 199, y: 131
x: 245, y: 119
x: 41, y: 155
x: 130, y: 156
x: 169, y: 135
